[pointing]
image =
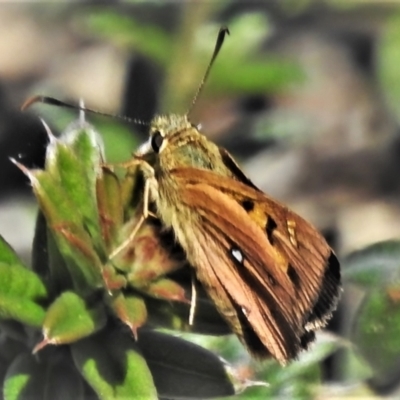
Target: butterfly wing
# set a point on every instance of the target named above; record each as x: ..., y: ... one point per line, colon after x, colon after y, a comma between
x: 312, y: 247
x: 273, y: 278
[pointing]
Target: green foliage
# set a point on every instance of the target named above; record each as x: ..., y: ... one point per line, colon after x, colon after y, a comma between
x: 247, y: 74
x: 69, y: 310
x: 388, y: 61
x: 375, y: 271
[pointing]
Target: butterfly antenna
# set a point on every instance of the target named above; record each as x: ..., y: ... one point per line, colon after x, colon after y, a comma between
x: 58, y: 103
x: 220, y: 40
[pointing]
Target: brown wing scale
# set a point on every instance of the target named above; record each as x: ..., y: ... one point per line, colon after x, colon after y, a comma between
x: 289, y: 278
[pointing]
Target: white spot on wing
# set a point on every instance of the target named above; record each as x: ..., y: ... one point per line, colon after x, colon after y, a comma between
x: 237, y: 254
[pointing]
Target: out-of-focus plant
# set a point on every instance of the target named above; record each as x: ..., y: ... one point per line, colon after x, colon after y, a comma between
x: 79, y: 323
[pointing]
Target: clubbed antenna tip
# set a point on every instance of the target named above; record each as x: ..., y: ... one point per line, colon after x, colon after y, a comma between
x: 220, y: 40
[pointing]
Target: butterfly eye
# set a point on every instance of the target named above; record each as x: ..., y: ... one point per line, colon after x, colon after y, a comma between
x: 156, y: 141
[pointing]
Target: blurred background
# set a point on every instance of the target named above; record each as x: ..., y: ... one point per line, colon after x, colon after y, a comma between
x: 305, y: 94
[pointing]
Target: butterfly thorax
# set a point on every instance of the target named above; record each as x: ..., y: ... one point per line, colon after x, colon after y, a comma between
x: 181, y: 146
x: 184, y: 146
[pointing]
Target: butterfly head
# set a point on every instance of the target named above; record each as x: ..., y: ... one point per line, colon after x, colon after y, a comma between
x: 168, y: 132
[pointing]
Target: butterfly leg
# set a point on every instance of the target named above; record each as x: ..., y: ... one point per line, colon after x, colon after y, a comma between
x: 149, y: 192
x: 193, y: 301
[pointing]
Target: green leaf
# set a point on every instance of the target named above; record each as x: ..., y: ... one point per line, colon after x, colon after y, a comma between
x: 149, y: 40
x: 74, y: 163
x: 19, y: 289
x: 29, y: 378
x: 23, y: 379
x: 113, y: 367
x: 81, y: 259
x: 109, y: 206
x: 69, y: 319
x: 130, y: 309
x: 10, y: 345
x: 174, y: 315
x: 21, y: 309
x: 179, y: 366
x: 18, y: 281
x: 388, y: 58
x: 58, y: 271
x: 79, y: 168
x: 66, y: 192
x: 40, y: 255
x: 63, y: 382
x: 376, y: 332
x: 73, y: 241
x: 7, y: 254
x: 375, y: 265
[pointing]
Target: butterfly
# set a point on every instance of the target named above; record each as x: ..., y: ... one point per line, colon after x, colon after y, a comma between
x: 271, y: 275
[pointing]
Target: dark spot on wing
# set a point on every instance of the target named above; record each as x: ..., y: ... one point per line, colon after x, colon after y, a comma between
x: 269, y: 228
x: 248, y: 205
x: 293, y: 276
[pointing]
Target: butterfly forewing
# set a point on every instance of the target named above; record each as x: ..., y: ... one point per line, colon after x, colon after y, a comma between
x: 281, y: 276
x: 257, y: 309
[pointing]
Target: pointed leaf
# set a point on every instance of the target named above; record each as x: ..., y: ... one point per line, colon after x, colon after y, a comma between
x: 20, y: 282
x: 7, y: 254
x: 19, y: 289
x: 23, y: 378
x: 73, y: 241
x: 40, y: 255
x: 22, y: 310
x: 166, y: 289
x: 64, y: 198
x: 130, y: 309
x: 14, y: 330
x: 58, y: 271
x: 29, y: 378
x: 182, y: 369
x: 63, y: 382
x: 77, y: 177
x: 111, y: 364
x: 109, y: 206
x: 53, y: 199
x: 69, y: 319
x: 176, y: 316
